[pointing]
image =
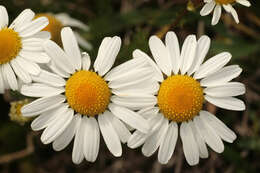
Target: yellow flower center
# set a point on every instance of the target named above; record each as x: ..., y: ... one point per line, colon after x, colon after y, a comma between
x: 180, y: 98
x: 225, y: 1
x: 87, y: 93
x: 54, y: 27
x: 10, y: 45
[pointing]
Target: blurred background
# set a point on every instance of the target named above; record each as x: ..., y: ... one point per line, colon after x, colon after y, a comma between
x: 21, y: 150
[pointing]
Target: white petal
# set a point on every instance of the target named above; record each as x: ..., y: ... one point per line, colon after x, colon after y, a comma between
x: 131, y: 75
x: 65, y: 138
x: 172, y: 44
x: 229, y: 103
x: 107, y: 55
x: 109, y: 134
x: 91, y: 139
x: 157, y: 72
x: 203, y: 151
x: 5, y: 82
x: 41, y: 90
x: 58, y: 56
x: 82, y: 42
x: 33, y: 27
x: 227, y: 7
x: 190, y: 147
x: 42, y: 35
x: 71, y: 47
x: 234, y: 14
x: 135, y: 102
x: 57, y: 127
x: 168, y: 143
x: 85, y: 61
x: 41, y: 105
x: 69, y: 21
x: 24, y: 17
x: 188, y: 53
x: 4, y: 19
x: 207, y: 8
x: 23, y: 75
x: 222, y: 76
x: 56, y: 69
x: 136, y: 77
x: 102, y: 52
x: 28, y: 66
x: 160, y: 54
x: 2, y: 86
x: 209, y: 135
x: 130, y: 117
x: 229, y: 89
x: 32, y: 44
x: 216, y: 15
x: 244, y: 2
x: 147, y: 112
x: 220, y: 128
x: 77, y: 152
x: 143, y: 87
x: 153, y: 141
x: 49, y: 79
x: 47, y: 117
x: 212, y: 65
x: 136, y: 139
x: 10, y: 76
x: 122, y: 70
x: 37, y: 57
x: 122, y: 132
x: 201, y: 52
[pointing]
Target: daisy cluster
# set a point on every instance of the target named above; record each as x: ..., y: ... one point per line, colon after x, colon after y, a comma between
x: 142, y: 102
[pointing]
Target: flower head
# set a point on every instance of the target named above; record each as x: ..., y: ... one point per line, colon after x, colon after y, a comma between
x: 184, y: 84
x: 58, y: 21
x: 216, y: 6
x: 78, y: 101
x: 20, y: 48
x: 15, y: 111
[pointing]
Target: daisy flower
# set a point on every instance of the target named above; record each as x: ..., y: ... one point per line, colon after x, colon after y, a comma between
x: 184, y: 85
x: 20, y: 48
x: 58, y: 21
x: 216, y: 6
x: 77, y: 101
x: 15, y: 111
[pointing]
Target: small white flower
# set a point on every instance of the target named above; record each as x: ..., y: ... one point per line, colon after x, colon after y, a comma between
x: 184, y: 85
x: 76, y: 101
x: 58, y: 21
x: 20, y: 48
x: 216, y: 6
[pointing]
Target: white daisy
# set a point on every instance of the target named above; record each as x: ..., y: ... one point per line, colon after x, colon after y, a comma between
x: 184, y: 85
x: 216, y: 6
x: 76, y: 101
x: 58, y: 21
x: 20, y: 48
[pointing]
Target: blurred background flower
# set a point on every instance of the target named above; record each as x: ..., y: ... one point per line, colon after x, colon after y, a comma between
x: 135, y: 21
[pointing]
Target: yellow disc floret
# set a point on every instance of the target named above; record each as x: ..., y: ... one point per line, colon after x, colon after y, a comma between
x: 10, y: 45
x: 225, y: 2
x: 87, y: 93
x: 180, y: 98
x: 54, y: 27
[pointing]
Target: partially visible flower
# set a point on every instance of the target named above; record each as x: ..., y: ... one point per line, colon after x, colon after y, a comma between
x: 21, y: 48
x: 216, y: 5
x: 58, y: 21
x: 185, y: 83
x: 84, y: 101
x: 15, y: 111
